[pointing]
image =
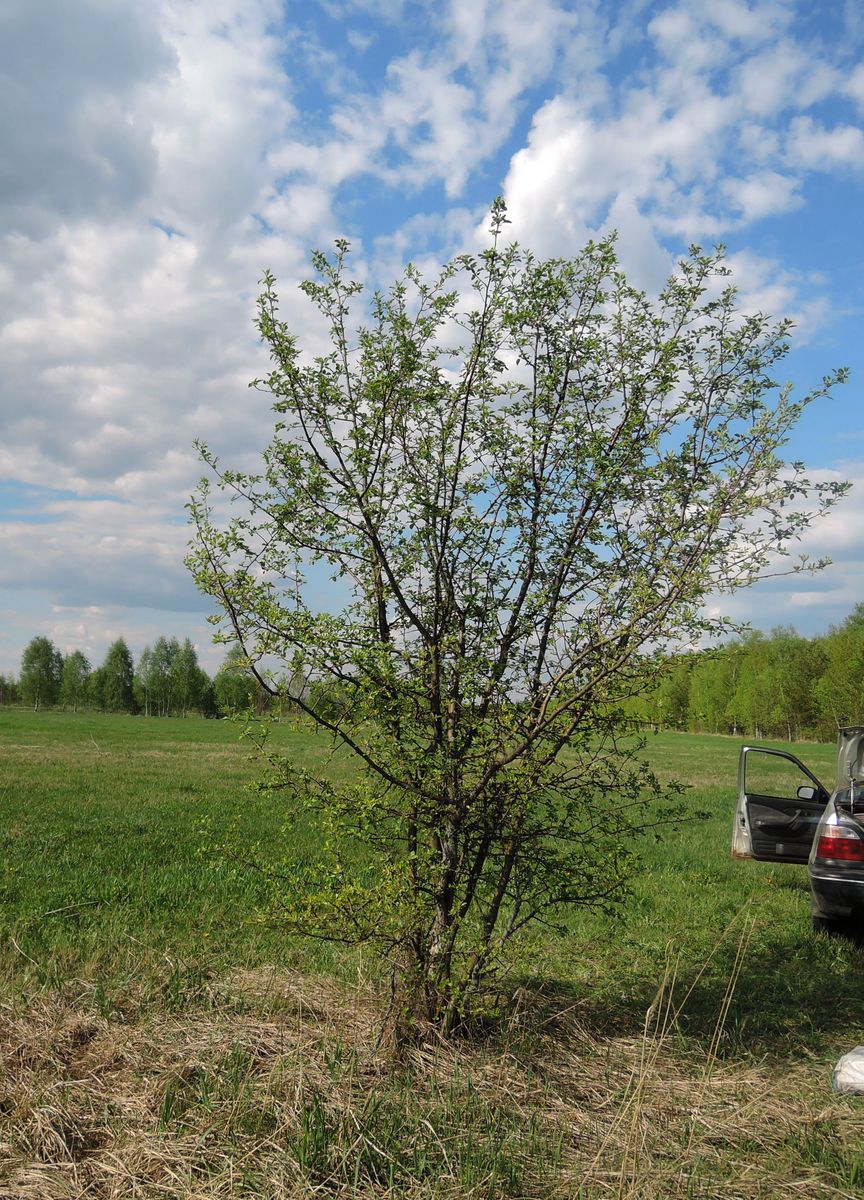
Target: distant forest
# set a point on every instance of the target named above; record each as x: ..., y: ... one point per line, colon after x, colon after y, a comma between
x: 167, y: 681
x: 779, y: 685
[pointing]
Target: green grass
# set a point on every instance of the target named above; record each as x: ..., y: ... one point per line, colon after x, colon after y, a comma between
x: 245, y: 1060
x: 104, y: 876
x: 104, y: 826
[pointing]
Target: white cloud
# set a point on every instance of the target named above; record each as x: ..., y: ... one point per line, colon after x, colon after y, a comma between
x: 677, y: 27
x: 91, y: 628
x: 386, y: 10
x: 855, y: 85
x: 225, y: 104
x: 762, y: 194
x: 703, y: 143
x: 766, y: 286
x: 776, y: 78
x: 647, y: 263
x: 106, y: 370
x: 99, y: 552
x: 448, y: 104
x: 758, y: 143
x: 813, y: 146
x: 551, y: 194
x: 426, y: 97
x: 574, y: 167
x: 746, y: 23
x: 359, y: 41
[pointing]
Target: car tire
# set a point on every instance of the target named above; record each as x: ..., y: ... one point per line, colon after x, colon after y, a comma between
x: 830, y: 926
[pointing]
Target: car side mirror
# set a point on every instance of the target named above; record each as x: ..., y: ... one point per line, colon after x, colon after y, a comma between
x: 807, y: 792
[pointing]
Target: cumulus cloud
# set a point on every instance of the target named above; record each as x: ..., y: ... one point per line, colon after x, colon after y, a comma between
x: 218, y: 114
x: 762, y: 194
x: 447, y: 104
x: 767, y: 286
x: 742, y: 22
x: 781, y: 76
x: 709, y: 137
x: 97, y: 552
x: 855, y: 85
x: 811, y: 145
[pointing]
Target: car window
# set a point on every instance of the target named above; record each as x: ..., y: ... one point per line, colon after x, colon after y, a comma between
x: 769, y: 775
x: 844, y: 795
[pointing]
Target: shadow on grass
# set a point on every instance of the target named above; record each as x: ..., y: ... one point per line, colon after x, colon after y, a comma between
x: 783, y: 999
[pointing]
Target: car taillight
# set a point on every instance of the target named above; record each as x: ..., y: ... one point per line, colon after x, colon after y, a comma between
x: 843, y: 845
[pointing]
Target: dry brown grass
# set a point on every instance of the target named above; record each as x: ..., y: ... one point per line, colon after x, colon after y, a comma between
x: 278, y: 1091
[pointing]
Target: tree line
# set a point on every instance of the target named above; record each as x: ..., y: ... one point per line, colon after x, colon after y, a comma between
x: 166, y: 681
x: 779, y: 685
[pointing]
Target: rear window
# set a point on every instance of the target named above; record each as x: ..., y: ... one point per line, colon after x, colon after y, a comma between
x: 844, y: 797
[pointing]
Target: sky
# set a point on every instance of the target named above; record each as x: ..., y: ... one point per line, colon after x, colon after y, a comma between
x: 156, y: 158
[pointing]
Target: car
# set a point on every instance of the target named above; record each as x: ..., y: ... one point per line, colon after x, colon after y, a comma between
x: 785, y: 814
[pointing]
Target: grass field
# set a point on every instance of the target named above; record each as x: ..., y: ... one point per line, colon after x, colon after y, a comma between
x: 156, y: 1039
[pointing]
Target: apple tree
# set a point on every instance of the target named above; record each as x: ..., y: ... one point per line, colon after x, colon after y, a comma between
x: 525, y: 478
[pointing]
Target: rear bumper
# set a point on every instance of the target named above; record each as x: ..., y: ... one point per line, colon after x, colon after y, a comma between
x: 836, y: 897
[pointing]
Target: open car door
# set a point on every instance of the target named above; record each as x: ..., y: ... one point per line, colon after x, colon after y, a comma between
x: 779, y: 805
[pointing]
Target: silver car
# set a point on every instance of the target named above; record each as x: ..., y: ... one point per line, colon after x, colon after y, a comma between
x: 784, y: 814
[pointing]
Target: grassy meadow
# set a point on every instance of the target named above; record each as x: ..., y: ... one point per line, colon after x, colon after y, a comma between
x: 157, y: 1039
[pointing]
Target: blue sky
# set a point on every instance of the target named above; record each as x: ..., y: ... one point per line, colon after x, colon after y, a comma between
x: 185, y: 145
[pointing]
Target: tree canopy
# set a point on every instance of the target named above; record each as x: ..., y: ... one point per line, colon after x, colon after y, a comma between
x: 112, y: 684
x: 75, y: 679
x: 41, y: 670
